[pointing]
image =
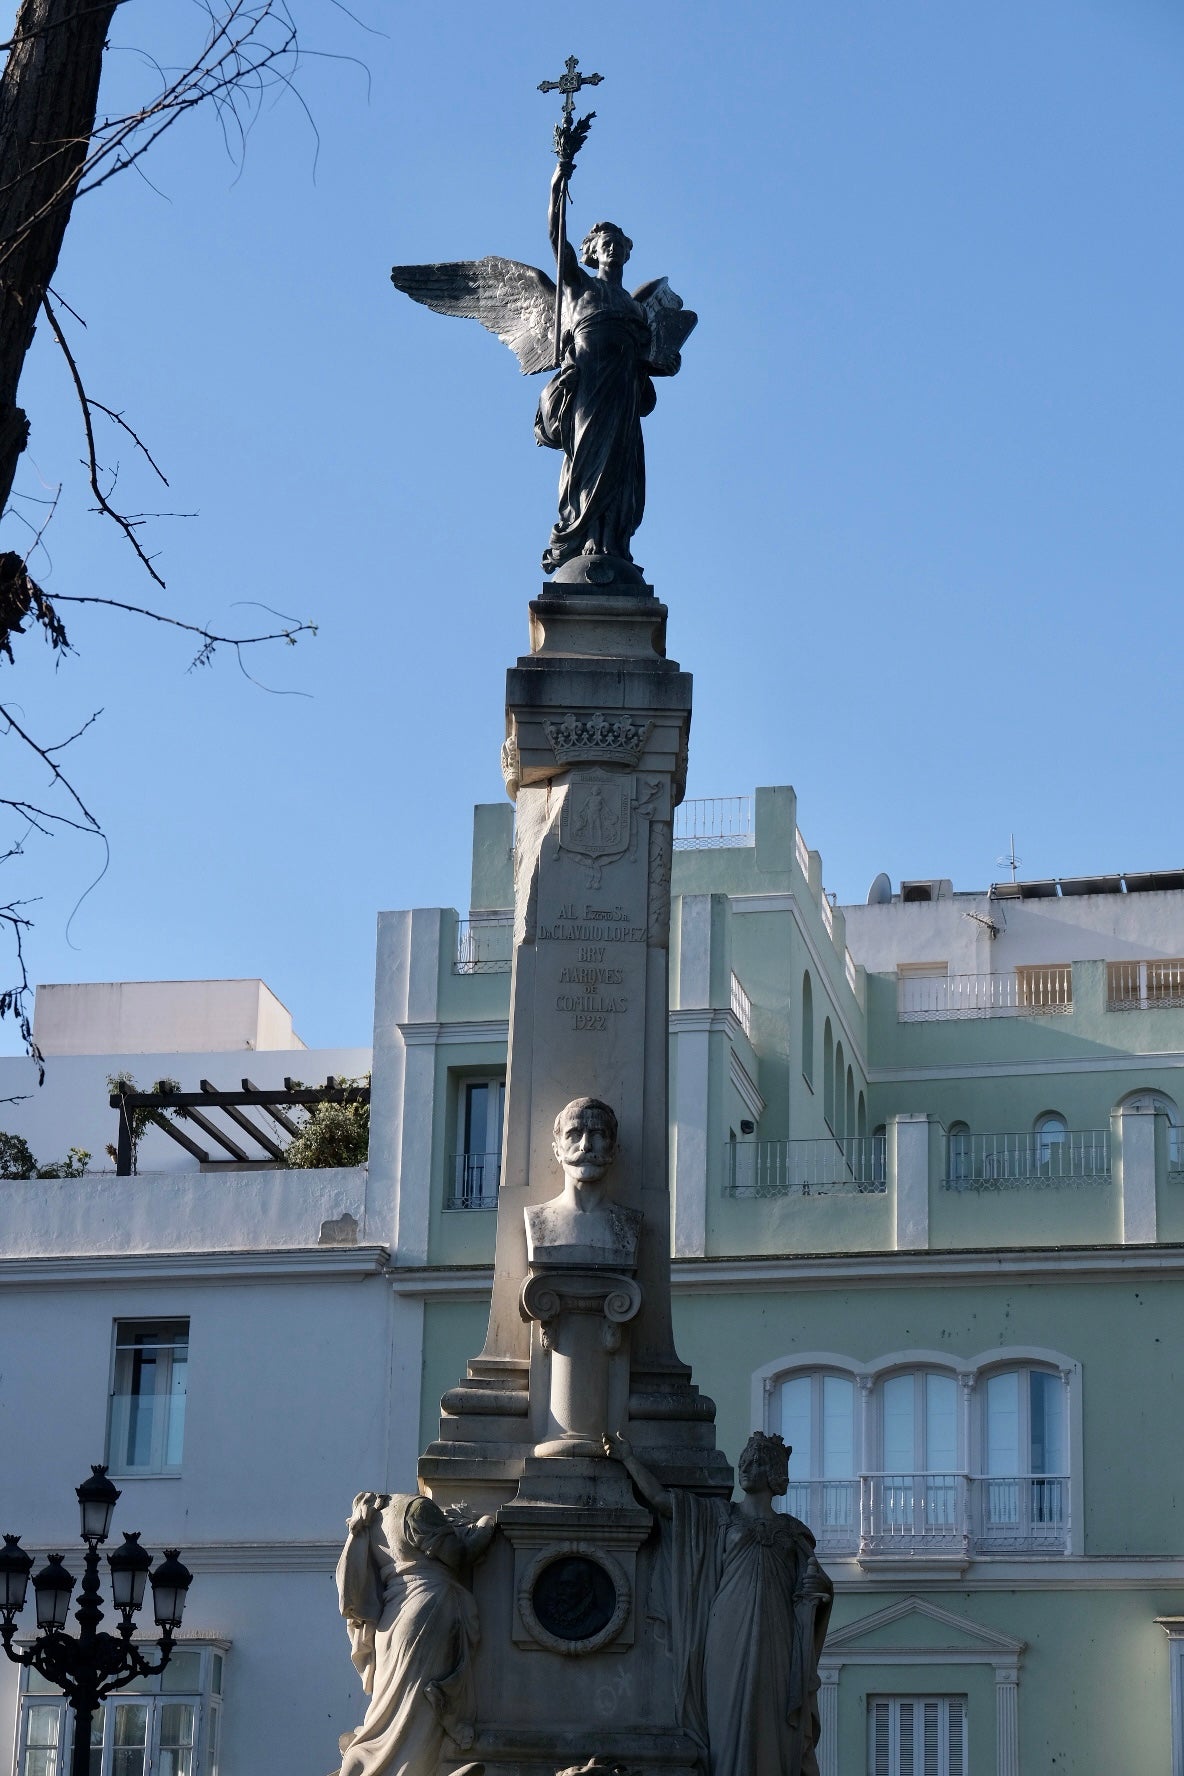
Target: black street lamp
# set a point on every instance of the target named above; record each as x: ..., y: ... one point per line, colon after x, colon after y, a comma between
x: 89, y: 1665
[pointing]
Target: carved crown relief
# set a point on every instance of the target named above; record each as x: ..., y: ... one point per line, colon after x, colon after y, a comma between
x: 598, y: 739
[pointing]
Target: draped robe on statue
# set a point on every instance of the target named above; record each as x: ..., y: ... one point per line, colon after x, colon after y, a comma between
x: 592, y: 411
x: 413, y: 1627
x: 745, y: 1645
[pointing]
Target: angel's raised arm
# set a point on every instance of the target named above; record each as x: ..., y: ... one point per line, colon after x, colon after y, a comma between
x: 569, y: 264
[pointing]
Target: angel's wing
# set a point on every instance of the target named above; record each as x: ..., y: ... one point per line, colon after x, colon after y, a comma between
x: 514, y: 301
x: 670, y: 324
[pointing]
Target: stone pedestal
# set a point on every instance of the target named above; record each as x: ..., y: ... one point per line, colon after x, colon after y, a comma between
x: 597, y: 721
x: 573, y: 1661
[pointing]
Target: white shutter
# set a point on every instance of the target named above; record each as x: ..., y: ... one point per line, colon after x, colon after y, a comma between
x: 905, y: 1767
x: 881, y: 1748
x: 917, y: 1736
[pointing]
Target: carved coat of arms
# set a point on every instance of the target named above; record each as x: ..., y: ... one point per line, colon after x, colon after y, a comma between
x: 596, y: 823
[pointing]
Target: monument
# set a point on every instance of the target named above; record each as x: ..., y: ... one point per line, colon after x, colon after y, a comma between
x: 574, y: 1590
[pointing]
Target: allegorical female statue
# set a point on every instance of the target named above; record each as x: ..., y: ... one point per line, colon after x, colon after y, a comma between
x: 607, y: 347
x: 749, y: 1606
x: 412, y: 1627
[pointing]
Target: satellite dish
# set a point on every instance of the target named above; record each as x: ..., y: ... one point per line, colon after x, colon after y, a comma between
x: 880, y: 892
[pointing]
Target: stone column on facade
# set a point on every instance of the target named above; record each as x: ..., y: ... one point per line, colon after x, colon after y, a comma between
x: 1007, y: 1721
x: 866, y: 1384
x: 828, y: 1715
x: 1173, y: 1627
x: 908, y: 1175
x: 692, y: 1076
x: 403, y: 1076
x: 1136, y: 1130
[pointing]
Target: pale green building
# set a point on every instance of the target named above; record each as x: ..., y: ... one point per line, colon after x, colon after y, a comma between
x: 928, y: 1206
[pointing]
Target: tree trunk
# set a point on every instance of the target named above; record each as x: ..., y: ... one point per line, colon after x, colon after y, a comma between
x: 48, y: 93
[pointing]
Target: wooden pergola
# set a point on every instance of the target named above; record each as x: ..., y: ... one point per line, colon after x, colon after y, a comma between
x: 221, y: 1117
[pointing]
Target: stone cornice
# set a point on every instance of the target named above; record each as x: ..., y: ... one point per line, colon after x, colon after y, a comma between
x: 1012, y: 1068
x: 317, y: 1264
x: 1053, y: 1572
x: 466, y: 1030
x: 885, y: 1270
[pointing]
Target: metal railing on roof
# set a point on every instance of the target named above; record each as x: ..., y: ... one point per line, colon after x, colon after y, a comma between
x: 1145, y: 986
x: 1030, y: 1158
x: 484, y: 946
x: 714, y: 822
x: 742, y: 1006
x: 1038, y: 991
x: 819, y: 1167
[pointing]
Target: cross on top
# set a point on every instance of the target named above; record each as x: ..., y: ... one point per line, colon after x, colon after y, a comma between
x: 569, y: 85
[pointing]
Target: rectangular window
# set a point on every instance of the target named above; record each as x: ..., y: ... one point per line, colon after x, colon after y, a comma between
x: 916, y: 1736
x: 476, y: 1171
x: 167, y: 1726
x: 146, y: 1418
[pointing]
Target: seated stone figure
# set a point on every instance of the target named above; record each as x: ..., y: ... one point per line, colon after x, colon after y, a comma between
x: 581, y: 1227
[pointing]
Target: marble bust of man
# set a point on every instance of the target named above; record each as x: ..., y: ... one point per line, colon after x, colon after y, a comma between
x: 582, y: 1227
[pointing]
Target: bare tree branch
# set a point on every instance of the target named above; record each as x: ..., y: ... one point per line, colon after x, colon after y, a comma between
x: 127, y: 525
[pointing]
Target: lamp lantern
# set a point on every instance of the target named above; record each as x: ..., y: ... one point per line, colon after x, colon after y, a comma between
x: 170, y: 1582
x: 129, y: 1573
x: 97, y: 1498
x: 15, y: 1567
x: 52, y: 1587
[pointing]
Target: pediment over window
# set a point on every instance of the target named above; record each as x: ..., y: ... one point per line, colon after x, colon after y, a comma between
x: 915, y: 1626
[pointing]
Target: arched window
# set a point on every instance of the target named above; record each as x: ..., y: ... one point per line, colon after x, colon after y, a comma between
x: 849, y: 1119
x: 836, y: 1121
x: 959, y: 1169
x: 1147, y: 1098
x: 807, y: 1029
x: 1050, y: 1132
x: 818, y: 1422
x: 828, y: 1074
x: 1025, y: 1459
x: 920, y: 1491
x: 917, y: 1453
x: 861, y: 1118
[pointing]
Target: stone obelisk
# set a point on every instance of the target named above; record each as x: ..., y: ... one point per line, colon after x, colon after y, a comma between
x: 595, y: 755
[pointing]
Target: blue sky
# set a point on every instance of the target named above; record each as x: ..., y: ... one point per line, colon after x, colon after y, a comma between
x: 914, y: 501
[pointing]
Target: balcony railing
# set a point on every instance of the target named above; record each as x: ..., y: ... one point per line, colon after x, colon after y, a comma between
x: 474, y: 1180
x: 1145, y: 986
x: 714, y: 822
x: 1022, y: 1513
x: 806, y: 1168
x: 917, y: 1515
x: 831, y: 1508
x: 484, y: 946
x: 742, y: 1006
x: 1028, y: 1157
x: 1031, y: 992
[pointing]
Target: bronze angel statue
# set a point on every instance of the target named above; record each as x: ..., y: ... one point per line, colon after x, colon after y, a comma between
x: 606, y: 347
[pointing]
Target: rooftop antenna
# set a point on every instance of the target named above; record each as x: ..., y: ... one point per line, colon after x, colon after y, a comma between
x: 1009, y: 860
